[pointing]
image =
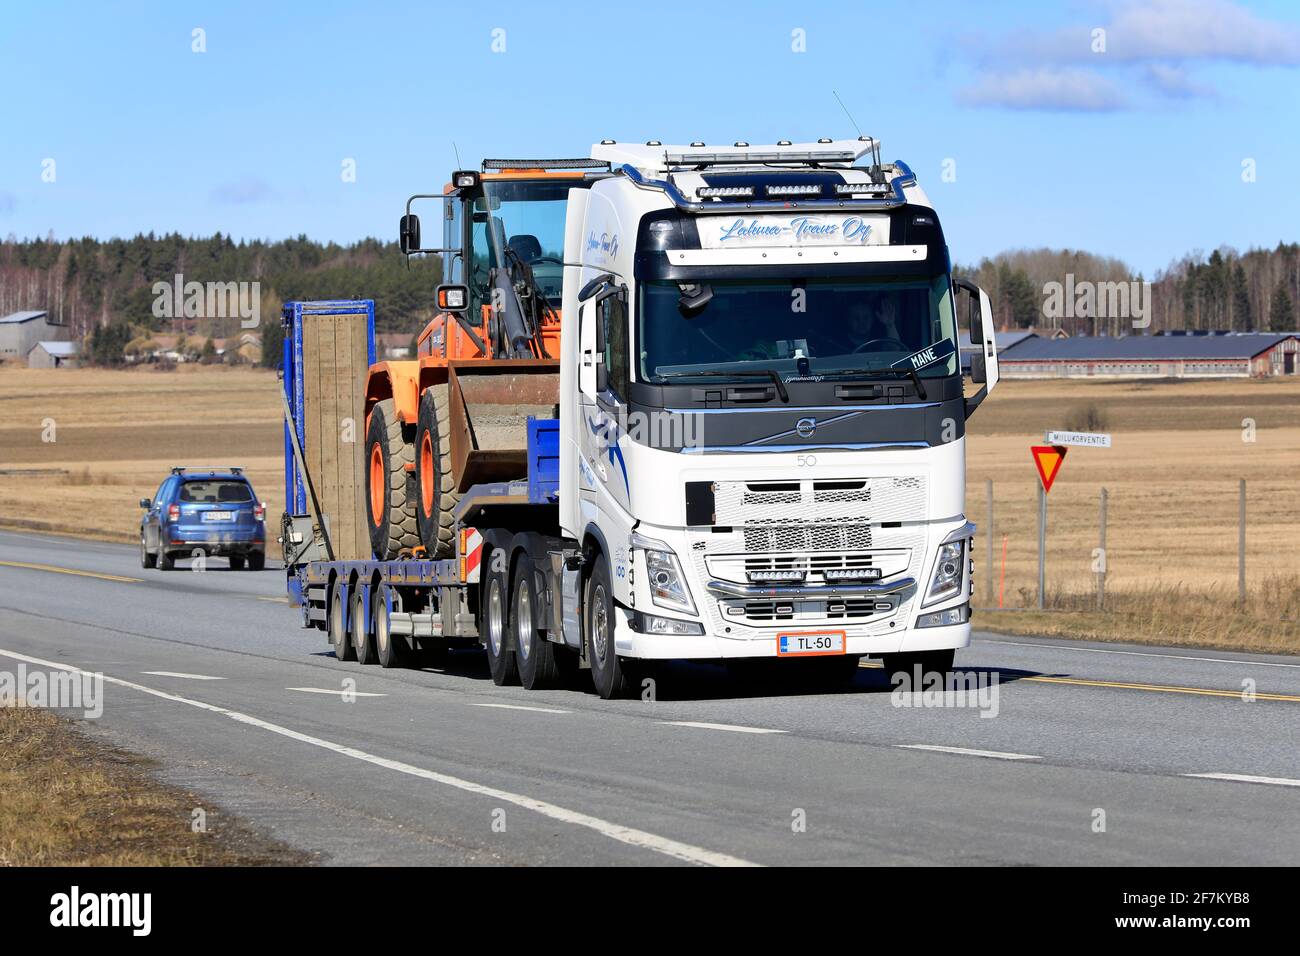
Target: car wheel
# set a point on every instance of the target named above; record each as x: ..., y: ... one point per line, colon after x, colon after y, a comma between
x: 534, y: 653
x: 147, y: 560
x: 256, y: 560
x: 236, y: 562
x: 496, y: 601
x: 165, y: 561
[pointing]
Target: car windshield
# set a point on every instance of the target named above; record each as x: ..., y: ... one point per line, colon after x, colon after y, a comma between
x: 797, y: 327
x: 527, y: 218
x: 216, y: 491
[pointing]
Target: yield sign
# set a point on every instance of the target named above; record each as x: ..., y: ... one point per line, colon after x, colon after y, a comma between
x: 1047, y: 459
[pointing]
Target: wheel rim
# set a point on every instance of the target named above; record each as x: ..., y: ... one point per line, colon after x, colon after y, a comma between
x: 496, y: 617
x: 377, y: 483
x: 336, y: 623
x: 599, y: 623
x: 358, y: 622
x: 426, y: 474
x: 524, y: 621
x: 379, y: 604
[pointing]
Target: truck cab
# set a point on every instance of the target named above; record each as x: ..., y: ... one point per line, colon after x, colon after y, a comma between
x: 763, y: 429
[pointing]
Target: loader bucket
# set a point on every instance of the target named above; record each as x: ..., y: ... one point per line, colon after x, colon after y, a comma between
x: 490, y: 405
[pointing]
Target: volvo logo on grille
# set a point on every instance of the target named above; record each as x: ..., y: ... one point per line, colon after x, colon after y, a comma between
x: 805, y: 427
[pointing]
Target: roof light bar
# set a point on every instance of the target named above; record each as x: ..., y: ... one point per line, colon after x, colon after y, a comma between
x: 709, y: 192
x: 580, y: 163
x: 795, y: 189
x: 761, y: 156
x: 850, y: 189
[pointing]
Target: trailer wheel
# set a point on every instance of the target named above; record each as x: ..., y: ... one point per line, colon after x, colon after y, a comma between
x: 363, y: 641
x: 392, y: 516
x: 496, y: 617
x: 437, y: 487
x: 334, y: 624
x: 535, y: 654
x: 608, y: 672
x: 393, y: 649
x: 932, y: 662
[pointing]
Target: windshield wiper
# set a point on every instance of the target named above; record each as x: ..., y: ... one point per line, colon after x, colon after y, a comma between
x: 887, y: 370
x: 735, y: 373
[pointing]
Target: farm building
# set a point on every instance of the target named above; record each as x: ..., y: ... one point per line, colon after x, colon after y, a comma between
x: 1174, y: 355
x: 20, y: 331
x: 1006, y: 338
x: 52, y: 355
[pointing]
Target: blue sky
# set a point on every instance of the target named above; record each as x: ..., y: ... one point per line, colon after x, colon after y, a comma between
x: 1136, y: 151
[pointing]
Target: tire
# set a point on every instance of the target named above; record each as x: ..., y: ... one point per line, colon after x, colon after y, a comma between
x: 533, y: 652
x: 931, y: 662
x: 393, y: 650
x: 496, y: 620
x: 363, y: 640
x: 390, y: 512
x: 165, y: 561
x: 256, y: 560
x: 609, y: 673
x: 147, y: 560
x: 236, y: 562
x: 334, y: 626
x: 436, y: 494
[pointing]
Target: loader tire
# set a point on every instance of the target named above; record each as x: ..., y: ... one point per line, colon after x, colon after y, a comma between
x: 436, y: 487
x: 390, y: 512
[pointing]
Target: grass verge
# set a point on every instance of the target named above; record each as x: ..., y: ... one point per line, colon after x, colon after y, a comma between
x: 68, y: 800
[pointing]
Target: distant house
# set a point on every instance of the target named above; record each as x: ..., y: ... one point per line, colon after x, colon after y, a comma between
x: 53, y: 355
x: 1195, y: 355
x: 393, y: 345
x: 20, y: 331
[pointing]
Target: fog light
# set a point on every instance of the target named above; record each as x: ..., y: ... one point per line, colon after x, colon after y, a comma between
x: 652, y: 624
x: 953, y: 615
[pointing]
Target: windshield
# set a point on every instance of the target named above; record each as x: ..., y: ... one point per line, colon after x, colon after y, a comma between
x: 525, y: 217
x: 853, y: 326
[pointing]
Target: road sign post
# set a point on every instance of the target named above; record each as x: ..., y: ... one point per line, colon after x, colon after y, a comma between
x: 1048, y: 459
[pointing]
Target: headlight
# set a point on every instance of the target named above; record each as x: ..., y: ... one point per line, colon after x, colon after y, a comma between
x: 948, y: 566
x: 667, y: 583
x: 953, y: 615
x: 653, y: 624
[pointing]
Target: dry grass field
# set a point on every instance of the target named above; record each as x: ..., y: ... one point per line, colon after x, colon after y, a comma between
x: 1172, y: 473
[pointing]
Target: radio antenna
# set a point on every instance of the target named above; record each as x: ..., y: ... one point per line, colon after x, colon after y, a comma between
x: 846, y: 112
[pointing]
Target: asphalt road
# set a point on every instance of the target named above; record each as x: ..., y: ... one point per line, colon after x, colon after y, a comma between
x: 210, y: 674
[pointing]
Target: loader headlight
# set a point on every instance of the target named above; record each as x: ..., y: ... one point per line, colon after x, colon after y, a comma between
x: 664, y: 575
x: 947, y: 578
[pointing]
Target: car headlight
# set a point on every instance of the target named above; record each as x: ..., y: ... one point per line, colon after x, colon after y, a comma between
x: 948, y: 566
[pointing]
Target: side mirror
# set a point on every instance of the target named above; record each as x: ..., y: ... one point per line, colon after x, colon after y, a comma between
x: 592, y: 287
x: 146, y: 503
x: 453, y: 298
x: 408, y: 234
x: 978, y: 370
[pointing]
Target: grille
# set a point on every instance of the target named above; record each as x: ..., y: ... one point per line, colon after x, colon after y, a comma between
x: 807, y: 537
x: 806, y: 612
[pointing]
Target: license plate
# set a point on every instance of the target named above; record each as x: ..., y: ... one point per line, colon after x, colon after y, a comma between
x: 809, y: 643
x: 218, y: 516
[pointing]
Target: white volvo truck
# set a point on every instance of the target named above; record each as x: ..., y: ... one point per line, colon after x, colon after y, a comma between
x: 761, y: 437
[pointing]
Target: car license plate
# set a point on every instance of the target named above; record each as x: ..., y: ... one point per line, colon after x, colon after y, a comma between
x: 218, y: 516
x: 809, y: 643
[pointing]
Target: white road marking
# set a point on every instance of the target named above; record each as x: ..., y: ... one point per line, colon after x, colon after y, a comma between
x: 735, y: 728
x: 995, y: 754
x: 178, y: 674
x: 540, y: 710
x: 1173, y: 657
x: 1245, y: 778
x: 633, y: 837
x: 336, y: 693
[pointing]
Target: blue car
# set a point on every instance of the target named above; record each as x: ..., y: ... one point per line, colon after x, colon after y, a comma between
x: 212, y: 512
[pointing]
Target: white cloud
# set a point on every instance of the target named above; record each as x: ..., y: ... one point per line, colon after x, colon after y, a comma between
x: 1045, y: 89
x: 245, y: 190
x: 1174, y: 82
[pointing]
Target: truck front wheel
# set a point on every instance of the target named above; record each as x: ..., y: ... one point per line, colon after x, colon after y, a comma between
x: 391, y: 514
x: 608, y: 672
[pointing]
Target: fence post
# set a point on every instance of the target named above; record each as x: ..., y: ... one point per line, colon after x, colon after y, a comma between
x: 1101, y: 574
x: 1241, y: 543
x: 988, y: 536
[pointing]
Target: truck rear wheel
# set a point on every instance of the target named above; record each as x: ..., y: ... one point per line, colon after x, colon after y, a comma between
x: 334, y: 625
x: 436, y: 486
x: 363, y: 641
x: 534, y: 653
x: 496, y: 617
x: 391, y: 515
x: 608, y: 672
